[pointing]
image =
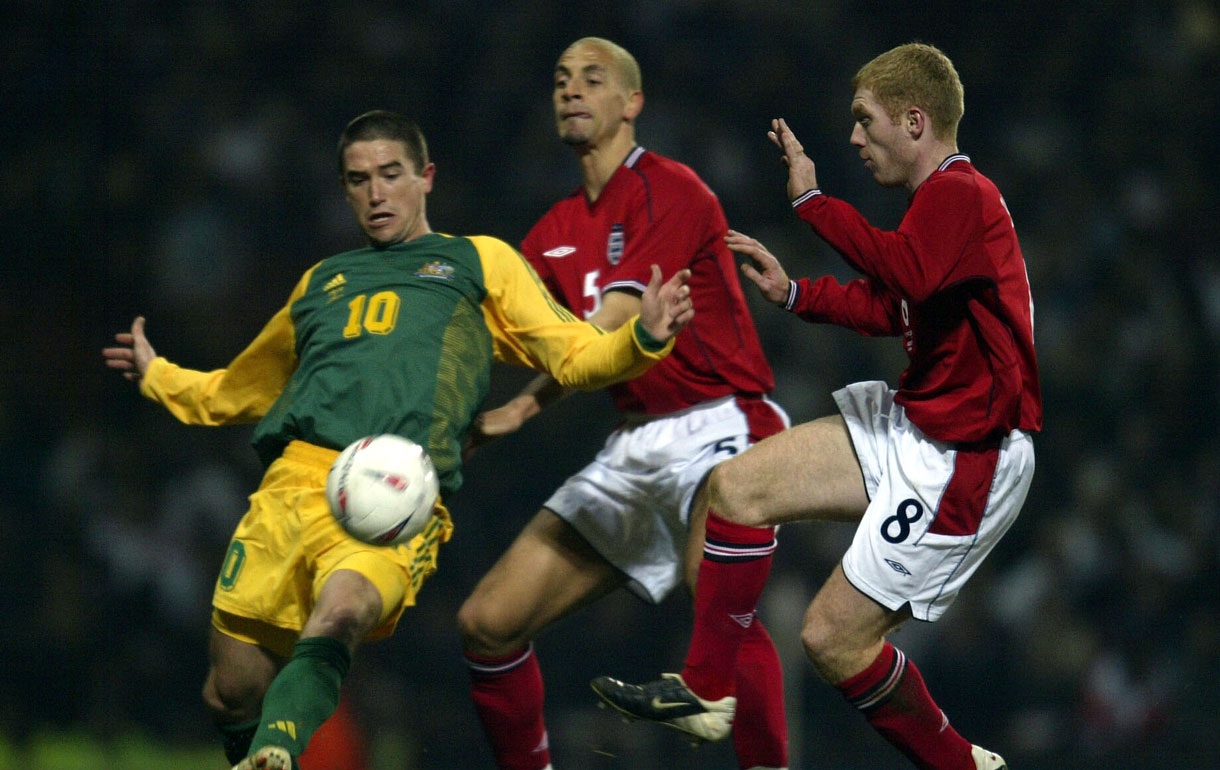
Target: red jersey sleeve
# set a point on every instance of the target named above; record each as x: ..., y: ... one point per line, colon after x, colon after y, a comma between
x: 915, y: 261
x: 862, y: 305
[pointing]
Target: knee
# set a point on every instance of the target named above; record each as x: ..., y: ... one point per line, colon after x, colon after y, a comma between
x: 230, y: 698
x: 824, y: 647
x: 734, y: 496
x: 487, y: 630
x: 346, y: 621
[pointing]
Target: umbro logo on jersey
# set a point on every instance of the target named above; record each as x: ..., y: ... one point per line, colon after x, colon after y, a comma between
x: 897, y: 567
x: 559, y: 251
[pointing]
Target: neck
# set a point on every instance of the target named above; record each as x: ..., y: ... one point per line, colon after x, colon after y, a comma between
x: 929, y: 160
x: 599, y: 162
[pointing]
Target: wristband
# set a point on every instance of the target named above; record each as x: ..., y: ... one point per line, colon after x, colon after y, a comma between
x: 793, y: 290
x: 647, y: 341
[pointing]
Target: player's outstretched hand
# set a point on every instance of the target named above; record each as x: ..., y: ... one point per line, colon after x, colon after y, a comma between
x: 766, y: 272
x: 135, y: 353
x: 495, y: 423
x: 666, y: 308
x: 802, y: 175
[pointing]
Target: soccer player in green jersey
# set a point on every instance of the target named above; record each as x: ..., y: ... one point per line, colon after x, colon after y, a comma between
x: 397, y: 337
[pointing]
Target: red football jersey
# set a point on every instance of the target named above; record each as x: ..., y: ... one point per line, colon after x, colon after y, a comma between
x: 656, y: 210
x: 952, y: 282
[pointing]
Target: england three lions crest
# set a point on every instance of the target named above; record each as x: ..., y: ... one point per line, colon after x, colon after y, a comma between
x: 615, y: 244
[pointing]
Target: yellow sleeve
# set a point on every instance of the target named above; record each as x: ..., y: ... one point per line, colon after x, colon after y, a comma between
x: 240, y: 393
x: 530, y: 327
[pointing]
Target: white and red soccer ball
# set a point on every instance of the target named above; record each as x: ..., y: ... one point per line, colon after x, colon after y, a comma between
x: 382, y: 489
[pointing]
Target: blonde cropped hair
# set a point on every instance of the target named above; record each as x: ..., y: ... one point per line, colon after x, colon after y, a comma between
x: 625, y: 65
x: 920, y: 75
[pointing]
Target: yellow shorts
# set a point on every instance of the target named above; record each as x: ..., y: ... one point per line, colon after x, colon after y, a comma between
x: 288, y: 544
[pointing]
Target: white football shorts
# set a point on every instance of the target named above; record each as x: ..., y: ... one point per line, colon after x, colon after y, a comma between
x: 632, y: 503
x: 935, y: 509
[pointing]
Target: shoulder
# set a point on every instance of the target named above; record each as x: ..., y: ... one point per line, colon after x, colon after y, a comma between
x: 489, y: 243
x: 494, y: 253
x: 958, y: 176
x: 669, y: 177
x: 957, y: 185
x: 327, y: 269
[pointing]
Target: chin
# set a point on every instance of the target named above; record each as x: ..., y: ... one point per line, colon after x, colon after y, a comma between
x: 381, y: 242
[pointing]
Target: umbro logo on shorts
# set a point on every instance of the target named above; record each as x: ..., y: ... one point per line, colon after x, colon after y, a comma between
x: 897, y: 567
x: 559, y: 251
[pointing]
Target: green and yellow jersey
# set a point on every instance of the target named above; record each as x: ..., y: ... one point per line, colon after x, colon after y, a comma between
x: 398, y: 340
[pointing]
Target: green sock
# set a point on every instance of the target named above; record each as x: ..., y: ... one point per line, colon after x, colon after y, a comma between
x: 303, y: 695
x: 236, y: 739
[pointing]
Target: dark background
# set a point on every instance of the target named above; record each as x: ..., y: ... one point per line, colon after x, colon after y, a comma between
x: 177, y: 160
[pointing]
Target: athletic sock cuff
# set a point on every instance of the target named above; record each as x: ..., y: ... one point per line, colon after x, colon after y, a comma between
x: 729, y: 541
x: 874, y: 685
x: 330, y: 651
x: 498, y: 665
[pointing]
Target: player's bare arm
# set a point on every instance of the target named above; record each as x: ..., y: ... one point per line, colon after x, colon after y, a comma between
x: 135, y: 353
x: 666, y: 308
x: 802, y: 175
x: 766, y: 272
x: 537, y: 395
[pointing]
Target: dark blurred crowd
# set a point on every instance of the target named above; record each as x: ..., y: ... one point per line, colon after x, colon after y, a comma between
x: 177, y: 160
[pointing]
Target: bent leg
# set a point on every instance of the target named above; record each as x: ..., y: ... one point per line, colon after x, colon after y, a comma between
x: 844, y: 637
x: 547, y: 573
x: 809, y: 471
x: 806, y: 472
x: 238, y: 676
x: 760, y: 729
x: 306, y: 691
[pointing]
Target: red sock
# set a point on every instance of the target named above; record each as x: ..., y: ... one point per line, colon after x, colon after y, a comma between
x: 508, y: 696
x: 736, y: 562
x: 893, y: 698
x: 760, y: 731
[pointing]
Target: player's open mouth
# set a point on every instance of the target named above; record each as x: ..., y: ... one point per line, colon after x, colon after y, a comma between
x: 380, y: 217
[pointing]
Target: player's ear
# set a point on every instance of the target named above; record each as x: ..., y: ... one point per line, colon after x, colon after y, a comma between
x: 427, y: 175
x: 635, y: 105
x: 915, y: 122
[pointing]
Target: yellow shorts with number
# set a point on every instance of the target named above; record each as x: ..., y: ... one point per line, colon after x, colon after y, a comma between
x: 288, y: 544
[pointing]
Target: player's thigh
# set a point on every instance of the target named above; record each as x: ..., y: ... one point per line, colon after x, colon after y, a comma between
x: 547, y: 572
x: 844, y: 629
x: 809, y: 471
x: 239, y: 674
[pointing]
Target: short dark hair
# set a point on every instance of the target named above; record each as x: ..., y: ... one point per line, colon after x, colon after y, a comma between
x: 383, y: 124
